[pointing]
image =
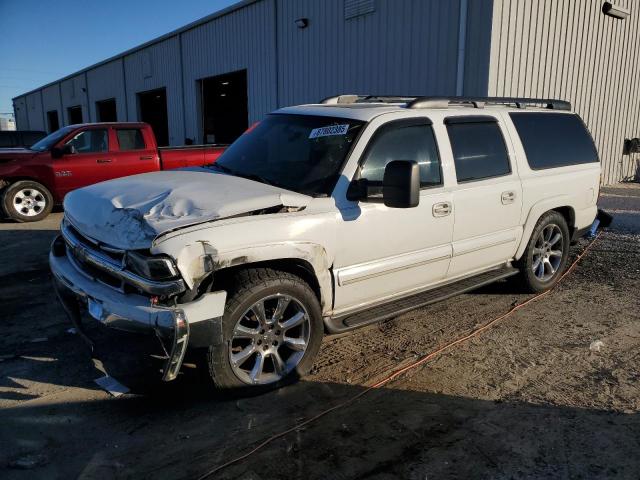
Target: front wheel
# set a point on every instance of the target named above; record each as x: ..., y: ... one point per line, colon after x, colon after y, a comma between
x: 545, y: 257
x: 27, y: 201
x: 272, y: 330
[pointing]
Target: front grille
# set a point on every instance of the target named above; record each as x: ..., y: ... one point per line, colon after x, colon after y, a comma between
x: 113, y: 256
x: 106, y: 265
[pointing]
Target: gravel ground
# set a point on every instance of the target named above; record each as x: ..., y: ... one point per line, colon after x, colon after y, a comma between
x: 528, y: 398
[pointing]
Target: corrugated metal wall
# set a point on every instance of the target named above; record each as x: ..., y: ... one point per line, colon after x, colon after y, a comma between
x: 570, y: 50
x: 107, y: 81
x: 244, y: 39
x: 74, y: 93
x: 393, y: 47
x: 157, y: 66
x: 51, y: 101
x: 405, y: 47
x: 33, y: 105
x: 20, y: 111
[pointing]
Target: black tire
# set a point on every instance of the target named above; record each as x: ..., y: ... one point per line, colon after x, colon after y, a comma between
x: 531, y: 279
x: 40, y: 201
x: 248, y: 287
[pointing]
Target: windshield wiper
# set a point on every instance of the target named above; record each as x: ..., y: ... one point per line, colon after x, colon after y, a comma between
x: 255, y: 177
x: 248, y: 176
x: 220, y: 167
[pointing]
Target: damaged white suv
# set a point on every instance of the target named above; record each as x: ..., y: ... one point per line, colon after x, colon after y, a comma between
x: 324, y: 218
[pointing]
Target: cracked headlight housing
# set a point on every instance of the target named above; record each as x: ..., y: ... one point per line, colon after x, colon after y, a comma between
x: 153, y: 268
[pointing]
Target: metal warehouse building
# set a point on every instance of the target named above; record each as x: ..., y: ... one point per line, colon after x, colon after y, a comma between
x: 208, y: 81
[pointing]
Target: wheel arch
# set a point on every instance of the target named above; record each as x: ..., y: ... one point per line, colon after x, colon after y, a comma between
x: 558, y: 204
x: 6, y: 182
x: 308, y: 261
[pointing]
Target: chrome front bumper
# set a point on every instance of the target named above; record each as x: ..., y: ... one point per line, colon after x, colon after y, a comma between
x: 197, y: 323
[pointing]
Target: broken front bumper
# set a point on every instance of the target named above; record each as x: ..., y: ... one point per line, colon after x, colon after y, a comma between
x: 196, y: 324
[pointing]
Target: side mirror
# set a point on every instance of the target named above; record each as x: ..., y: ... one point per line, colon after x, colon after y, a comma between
x: 401, y: 184
x: 56, y: 153
x: 69, y: 149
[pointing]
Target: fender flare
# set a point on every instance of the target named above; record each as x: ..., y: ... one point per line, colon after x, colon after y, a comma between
x: 197, y: 260
x: 536, y: 211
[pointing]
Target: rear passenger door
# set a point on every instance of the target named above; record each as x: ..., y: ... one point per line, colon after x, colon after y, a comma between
x: 134, y: 155
x: 487, y: 197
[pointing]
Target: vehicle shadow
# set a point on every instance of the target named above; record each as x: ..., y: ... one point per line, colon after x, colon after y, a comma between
x: 388, y: 433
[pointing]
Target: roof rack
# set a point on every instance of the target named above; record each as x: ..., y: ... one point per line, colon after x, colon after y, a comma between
x: 346, y: 99
x: 479, y: 102
x: 444, y: 102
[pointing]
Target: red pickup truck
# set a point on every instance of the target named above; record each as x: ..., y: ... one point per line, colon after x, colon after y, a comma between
x: 32, y: 180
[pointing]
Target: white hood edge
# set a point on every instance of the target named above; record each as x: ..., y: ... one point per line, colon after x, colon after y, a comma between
x: 129, y: 213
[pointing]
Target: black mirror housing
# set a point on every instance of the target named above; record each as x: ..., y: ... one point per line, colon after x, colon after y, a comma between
x: 56, y: 153
x: 401, y: 184
x: 69, y: 149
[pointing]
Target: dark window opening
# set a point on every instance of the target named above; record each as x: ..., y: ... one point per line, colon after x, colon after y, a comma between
x: 53, y: 123
x: 224, y: 107
x: 130, y: 139
x: 402, y: 141
x: 106, y: 110
x: 554, y: 140
x: 479, y: 150
x: 74, y: 114
x: 152, y: 106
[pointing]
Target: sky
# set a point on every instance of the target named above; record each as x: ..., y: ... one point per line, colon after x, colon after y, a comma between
x: 49, y: 39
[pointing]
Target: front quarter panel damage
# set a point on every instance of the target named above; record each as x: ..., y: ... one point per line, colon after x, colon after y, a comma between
x: 196, y: 261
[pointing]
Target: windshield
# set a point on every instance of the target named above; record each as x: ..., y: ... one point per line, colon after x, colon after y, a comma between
x: 50, y: 140
x: 301, y: 153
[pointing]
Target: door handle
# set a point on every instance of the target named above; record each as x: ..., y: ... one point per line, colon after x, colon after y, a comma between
x: 103, y: 160
x: 442, y: 209
x: 508, y: 197
x: 146, y: 157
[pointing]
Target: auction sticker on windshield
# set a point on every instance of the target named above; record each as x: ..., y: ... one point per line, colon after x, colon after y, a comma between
x: 328, y: 131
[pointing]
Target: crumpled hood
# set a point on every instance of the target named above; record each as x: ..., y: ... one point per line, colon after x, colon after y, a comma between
x: 130, y: 212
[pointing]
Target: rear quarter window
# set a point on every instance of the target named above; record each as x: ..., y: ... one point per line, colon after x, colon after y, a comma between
x: 552, y: 140
x: 130, y: 139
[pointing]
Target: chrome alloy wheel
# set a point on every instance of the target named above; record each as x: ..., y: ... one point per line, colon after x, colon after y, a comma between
x: 547, y: 252
x: 29, y: 202
x: 269, y: 339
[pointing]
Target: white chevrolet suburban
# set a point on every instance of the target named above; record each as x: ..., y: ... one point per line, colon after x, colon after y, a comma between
x: 323, y: 218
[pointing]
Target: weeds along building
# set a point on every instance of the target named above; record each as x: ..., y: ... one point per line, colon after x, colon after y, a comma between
x: 209, y: 80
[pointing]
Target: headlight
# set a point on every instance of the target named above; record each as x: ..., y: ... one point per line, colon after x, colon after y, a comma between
x: 153, y: 268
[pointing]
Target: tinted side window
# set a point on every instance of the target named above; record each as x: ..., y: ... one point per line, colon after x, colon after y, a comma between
x: 90, y: 141
x: 130, y: 139
x: 478, y: 151
x: 554, y: 139
x: 403, y: 142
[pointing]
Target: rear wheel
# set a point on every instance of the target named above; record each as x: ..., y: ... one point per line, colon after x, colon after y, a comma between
x: 27, y: 201
x: 272, y: 330
x: 545, y: 258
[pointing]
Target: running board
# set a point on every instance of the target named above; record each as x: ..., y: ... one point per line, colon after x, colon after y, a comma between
x: 398, y: 307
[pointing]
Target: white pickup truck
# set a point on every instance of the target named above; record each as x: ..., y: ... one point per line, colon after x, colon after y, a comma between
x: 324, y: 218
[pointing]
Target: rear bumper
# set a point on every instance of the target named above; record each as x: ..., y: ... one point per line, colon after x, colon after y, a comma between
x: 194, y: 324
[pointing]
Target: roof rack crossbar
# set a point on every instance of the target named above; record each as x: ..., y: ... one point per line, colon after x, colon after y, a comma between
x: 444, y: 102
x: 479, y: 102
x: 346, y: 99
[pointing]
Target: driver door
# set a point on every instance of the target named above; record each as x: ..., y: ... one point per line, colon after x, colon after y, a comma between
x: 91, y: 162
x: 385, y: 252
